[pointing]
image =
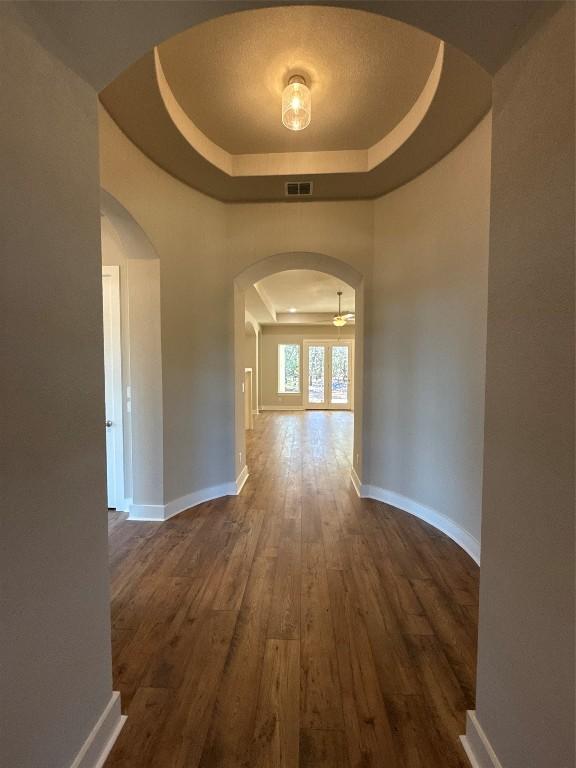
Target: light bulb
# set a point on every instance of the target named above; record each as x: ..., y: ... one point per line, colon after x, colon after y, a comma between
x: 296, y: 104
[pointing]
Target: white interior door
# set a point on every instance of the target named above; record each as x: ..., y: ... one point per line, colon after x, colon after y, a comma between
x: 328, y: 369
x: 113, y: 386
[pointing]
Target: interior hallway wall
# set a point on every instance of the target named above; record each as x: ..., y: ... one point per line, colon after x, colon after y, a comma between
x: 56, y: 663
x: 525, y: 694
x: 139, y: 268
x: 251, y: 361
x: 427, y: 341
x: 187, y: 230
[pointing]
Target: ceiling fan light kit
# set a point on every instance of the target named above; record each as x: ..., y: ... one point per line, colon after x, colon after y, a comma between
x: 339, y: 320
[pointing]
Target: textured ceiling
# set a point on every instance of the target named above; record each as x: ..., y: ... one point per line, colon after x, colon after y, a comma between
x: 364, y: 71
x: 460, y: 99
x: 306, y: 291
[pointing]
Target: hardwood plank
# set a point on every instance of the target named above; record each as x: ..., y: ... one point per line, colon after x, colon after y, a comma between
x: 181, y: 741
x: 321, y: 698
x: 323, y: 749
x: 293, y: 625
x: 367, y: 727
x: 230, y: 738
x: 276, y: 734
x: 284, y: 620
x: 137, y: 739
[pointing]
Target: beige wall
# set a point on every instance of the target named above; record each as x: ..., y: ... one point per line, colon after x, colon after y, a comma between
x: 187, y: 230
x: 56, y: 665
x: 426, y: 354
x: 525, y: 695
x: 251, y: 360
x: 274, y: 335
x: 342, y: 230
x: 139, y: 267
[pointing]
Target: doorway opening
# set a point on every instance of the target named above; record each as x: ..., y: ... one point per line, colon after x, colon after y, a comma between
x: 290, y: 353
x: 114, y: 422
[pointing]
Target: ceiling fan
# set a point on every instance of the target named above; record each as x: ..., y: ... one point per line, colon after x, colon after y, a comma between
x: 341, y: 318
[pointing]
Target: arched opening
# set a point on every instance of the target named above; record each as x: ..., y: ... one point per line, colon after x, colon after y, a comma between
x: 528, y: 464
x: 283, y: 262
x: 137, y: 390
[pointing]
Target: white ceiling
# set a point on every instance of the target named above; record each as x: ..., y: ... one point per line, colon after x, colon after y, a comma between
x: 305, y: 291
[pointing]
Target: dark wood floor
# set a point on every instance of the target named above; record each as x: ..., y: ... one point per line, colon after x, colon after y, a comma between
x: 294, y: 625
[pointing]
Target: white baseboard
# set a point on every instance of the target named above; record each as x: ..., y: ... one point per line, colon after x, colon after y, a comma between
x: 241, y: 479
x: 146, y: 512
x: 97, y: 746
x: 198, y: 497
x: 255, y: 413
x: 476, y: 745
x: 356, y: 481
x: 443, y: 523
x: 281, y: 407
x: 161, y: 512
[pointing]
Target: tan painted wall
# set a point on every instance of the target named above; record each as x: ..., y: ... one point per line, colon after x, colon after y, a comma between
x: 426, y: 355
x: 274, y: 335
x: 251, y: 361
x: 525, y: 695
x: 187, y: 230
x: 141, y: 361
x: 342, y: 230
x: 56, y: 665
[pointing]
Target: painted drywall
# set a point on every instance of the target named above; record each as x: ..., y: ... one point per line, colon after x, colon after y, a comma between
x: 427, y: 339
x: 56, y: 665
x: 251, y: 350
x: 139, y: 268
x: 525, y: 692
x: 187, y: 231
x: 272, y: 336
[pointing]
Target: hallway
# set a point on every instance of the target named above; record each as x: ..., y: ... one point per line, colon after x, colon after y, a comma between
x: 293, y: 625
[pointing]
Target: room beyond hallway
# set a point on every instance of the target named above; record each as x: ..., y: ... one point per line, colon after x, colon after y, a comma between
x: 295, y: 625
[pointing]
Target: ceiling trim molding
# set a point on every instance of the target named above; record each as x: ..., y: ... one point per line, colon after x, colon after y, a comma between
x: 284, y: 163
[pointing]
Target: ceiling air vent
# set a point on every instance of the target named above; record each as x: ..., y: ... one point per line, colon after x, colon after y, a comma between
x: 298, y: 188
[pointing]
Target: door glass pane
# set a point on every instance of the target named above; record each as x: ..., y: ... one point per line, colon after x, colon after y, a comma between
x: 340, y: 365
x: 316, y: 356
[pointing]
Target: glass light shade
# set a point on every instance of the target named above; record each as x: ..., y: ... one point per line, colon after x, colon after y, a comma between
x: 296, y: 104
x: 339, y: 321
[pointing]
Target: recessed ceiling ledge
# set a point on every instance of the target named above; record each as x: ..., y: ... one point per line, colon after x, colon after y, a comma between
x: 289, y: 163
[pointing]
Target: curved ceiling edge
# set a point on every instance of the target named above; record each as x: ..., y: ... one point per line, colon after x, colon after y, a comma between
x: 285, y: 163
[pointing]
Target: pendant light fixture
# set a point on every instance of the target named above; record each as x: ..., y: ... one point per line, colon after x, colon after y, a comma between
x: 339, y: 320
x: 296, y: 104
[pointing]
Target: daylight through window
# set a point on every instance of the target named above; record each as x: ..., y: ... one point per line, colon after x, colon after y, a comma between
x: 289, y: 368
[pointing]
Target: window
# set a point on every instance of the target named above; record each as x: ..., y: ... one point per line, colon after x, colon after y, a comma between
x: 289, y: 369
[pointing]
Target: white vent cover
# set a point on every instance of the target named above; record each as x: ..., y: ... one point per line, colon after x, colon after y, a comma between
x: 298, y: 188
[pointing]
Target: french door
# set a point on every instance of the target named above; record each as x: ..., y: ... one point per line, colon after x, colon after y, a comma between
x: 328, y: 369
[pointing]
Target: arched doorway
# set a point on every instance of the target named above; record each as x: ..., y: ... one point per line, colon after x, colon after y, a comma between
x: 281, y: 262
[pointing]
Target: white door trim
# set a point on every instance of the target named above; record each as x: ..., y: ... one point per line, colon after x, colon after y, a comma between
x: 114, y: 406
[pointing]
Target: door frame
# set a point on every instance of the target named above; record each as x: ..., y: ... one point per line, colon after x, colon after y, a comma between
x: 328, y: 343
x: 112, y: 273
